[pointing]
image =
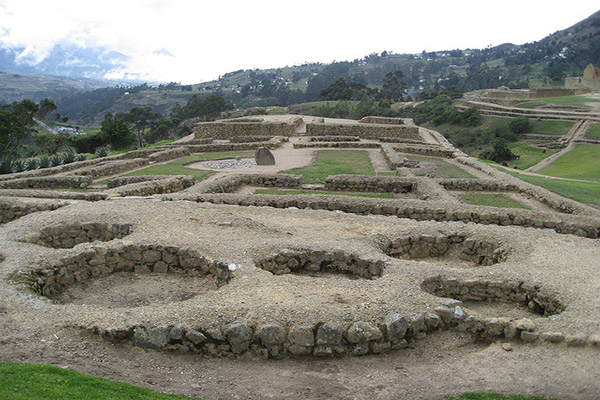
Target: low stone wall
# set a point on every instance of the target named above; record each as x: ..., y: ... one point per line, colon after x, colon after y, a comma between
x: 480, y: 185
x: 171, y: 154
x: 68, y: 236
x: 100, y: 261
x: 425, y: 150
x: 171, y: 184
x: 400, y: 140
x: 340, y: 145
x: 335, y: 139
x: 414, y: 209
x: 231, y: 183
x: 530, y: 296
x: 364, y: 183
x: 111, y: 168
x: 128, y: 180
x: 552, y: 200
x: 254, y: 127
x: 12, y: 208
x: 312, y: 261
x: 48, y: 182
x: 52, y: 170
x: 385, y: 120
x: 452, y: 246
x: 249, y: 139
x: 365, y: 131
x: 53, y: 194
x: 274, y: 143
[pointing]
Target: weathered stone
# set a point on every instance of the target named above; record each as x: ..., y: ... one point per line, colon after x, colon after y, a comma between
x: 301, y: 336
x: 239, y: 337
x: 459, y: 313
x: 271, y: 334
x: 151, y: 338
x: 396, y: 326
x: 360, y: 332
x: 263, y: 156
x: 528, y: 336
x: 176, y: 332
x: 446, y: 313
x: 195, y: 336
x: 380, y: 347
x: 576, y: 340
x: 329, y: 333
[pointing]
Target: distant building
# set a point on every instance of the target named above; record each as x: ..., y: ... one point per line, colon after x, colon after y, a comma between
x: 589, y: 80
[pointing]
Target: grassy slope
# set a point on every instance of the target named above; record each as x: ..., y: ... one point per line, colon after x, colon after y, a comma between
x: 562, y: 100
x: 529, y: 155
x: 335, y: 162
x: 594, y: 131
x: 583, y: 162
x: 34, y: 381
x: 451, y: 170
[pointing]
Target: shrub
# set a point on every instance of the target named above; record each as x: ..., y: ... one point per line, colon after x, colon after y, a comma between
x: 68, y: 157
x: 32, y: 164
x: 6, y: 165
x: 80, y: 157
x: 499, y: 153
x: 44, y: 162
x: 519, y: 125
x: 102, y: 152
x: 18, y: 166
x: 55, y: 160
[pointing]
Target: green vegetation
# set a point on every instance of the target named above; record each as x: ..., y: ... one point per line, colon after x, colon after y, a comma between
x: 529, y: 155
x: 594, y: 131
x: 494, y: 396
x: 444, y: 167
x: 561, y: 100
x: 583, y: 162
x: 299, y: 192
x: 492, y: 200
x: 549, y: 127
x: 335, y: 162
x: 35, y: 381
x: 585, y: 192
x: 178, y: 167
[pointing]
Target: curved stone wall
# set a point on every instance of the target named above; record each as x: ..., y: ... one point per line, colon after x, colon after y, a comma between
x: 68, y: 236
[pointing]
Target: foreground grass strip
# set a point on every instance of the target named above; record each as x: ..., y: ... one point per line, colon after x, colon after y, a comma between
x: 583, y: 162
x: 494, y: 396
x: 298, y: 192
x: 585, y: 192
x: 451, y: 170
x: 35, y: 381
x: 492, y: 200
x: 335, y: 162
x: 178, y: 167
x: 593, y: 132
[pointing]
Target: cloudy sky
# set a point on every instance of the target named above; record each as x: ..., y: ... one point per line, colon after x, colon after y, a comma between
x: 191, y: 41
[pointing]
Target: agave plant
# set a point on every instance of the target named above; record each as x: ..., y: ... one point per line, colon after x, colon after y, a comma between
x: 102, y: 152
x: 80, y: 157
x: 44, y: 162
x: 55, y: 160
x: 6, y: 165
x: 18, y: 166
x: 68, y: 157
x: 32, y: 164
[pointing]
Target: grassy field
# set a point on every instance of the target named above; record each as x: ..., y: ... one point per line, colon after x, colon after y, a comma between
x: 550, y: 127
x: 178, y: 167
x: 583, y: 162
x: 335, y: 162
x: 528, y: 154
x: 585, y: 192
x: 451, y: 170
x: 34, y: 381
x: 299, y: 192
x: 561, y: 100
x: 594, y: 131
x: 492, y: 200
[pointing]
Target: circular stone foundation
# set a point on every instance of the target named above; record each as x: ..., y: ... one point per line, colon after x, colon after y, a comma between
x: 70, y: 235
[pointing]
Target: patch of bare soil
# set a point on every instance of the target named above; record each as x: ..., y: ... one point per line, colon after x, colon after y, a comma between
x: 128, y: 289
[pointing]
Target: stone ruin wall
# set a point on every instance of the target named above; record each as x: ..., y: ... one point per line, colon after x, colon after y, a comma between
x: 251, y: 127
x: 365, y: 131
x: 370, y: 119
x: 12, y: 208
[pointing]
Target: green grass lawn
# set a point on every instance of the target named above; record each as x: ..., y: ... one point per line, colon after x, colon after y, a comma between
x: 298, y: 192
x: 528, y: 155
x: 35, y: 381
x: 585, y: 192
x: 583, y: 162
x: 492, y: 200
x: 335, y: 162
x: 566, y: 100
x: 451, y: 170
x: 594, y: 131
x: 550, y: 127
x: 178, y: 167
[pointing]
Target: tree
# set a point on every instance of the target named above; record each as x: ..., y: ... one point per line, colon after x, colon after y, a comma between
x: 116, y: 132
x: 51, y: 143
x: 519, y: 125
x: 500, y: 152
x: 141, y: 118
x: 393, y: 86
x: 12, y: 131
x: 45, y: 107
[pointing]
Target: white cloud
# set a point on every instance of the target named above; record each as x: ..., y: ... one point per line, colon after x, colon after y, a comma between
x: 207, y: 39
